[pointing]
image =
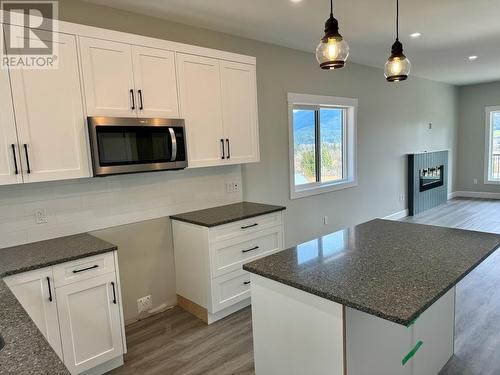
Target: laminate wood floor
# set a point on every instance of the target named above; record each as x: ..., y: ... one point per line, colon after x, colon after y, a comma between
x: 176, y: 343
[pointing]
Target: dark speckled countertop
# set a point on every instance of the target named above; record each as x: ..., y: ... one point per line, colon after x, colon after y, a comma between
x: 26, y: 351
x: 212, y: 217
x: 390, y: 269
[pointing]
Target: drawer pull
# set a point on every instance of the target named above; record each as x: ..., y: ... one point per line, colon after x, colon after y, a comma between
x: 114, y: 292
x: 50, y: 289
x: 250, y: 226
x: 412, y: 353
x: 86, y: 269
x: 252, y: 249
x: 246, y: 282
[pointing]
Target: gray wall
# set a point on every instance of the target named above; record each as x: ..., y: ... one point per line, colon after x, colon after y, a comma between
x: 392, y: 121
x: 471, y: 137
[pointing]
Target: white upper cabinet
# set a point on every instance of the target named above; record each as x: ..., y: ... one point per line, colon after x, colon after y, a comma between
x: 201, y: 107
x: 128, y: 81
x: 50, y: 118
x: 239, y: 109
x: 108, y: 78
x: 10, y: 166
x: 35, y: 291
x: 155, y: 82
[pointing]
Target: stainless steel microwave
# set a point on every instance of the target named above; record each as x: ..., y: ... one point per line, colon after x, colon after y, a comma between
x: 131, y: 145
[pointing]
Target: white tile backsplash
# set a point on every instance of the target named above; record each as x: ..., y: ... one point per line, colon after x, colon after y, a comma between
x: 84, y: 205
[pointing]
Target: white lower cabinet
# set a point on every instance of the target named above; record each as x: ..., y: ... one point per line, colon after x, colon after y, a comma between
x: 35, y: 291
x: 210, y: 280
x: 89, y: 317
x: 76, y: 305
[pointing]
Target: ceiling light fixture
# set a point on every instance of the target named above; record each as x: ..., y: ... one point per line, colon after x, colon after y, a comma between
x: 473, y: 57
x: 332, y: 50
x: 397, y: 66
x: 416, y: 35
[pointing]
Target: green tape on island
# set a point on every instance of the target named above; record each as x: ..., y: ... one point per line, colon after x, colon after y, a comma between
x: 412, y: 353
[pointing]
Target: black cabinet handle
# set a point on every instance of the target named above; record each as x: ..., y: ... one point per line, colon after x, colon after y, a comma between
x: 249, y: 226
x: 50, y: 289
x: 246, y: 282
x: 223, y: 150
x: 27, y: 159
x: 15, y: 158
x: 228, y: 149
x: 86, y: 269
x: 247, y: 250
x: 114, y: 292
x: 140, y: 100
x: 133, y: 99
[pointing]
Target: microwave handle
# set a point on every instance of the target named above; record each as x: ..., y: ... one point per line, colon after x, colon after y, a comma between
x: 174, y: 144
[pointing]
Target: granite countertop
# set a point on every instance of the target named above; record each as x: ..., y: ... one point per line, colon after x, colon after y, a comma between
x: 26, y: 351
x: 390, y: 269
x: 212, y: 217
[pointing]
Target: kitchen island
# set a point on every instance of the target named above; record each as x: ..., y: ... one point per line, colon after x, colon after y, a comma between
x: 377, y: 298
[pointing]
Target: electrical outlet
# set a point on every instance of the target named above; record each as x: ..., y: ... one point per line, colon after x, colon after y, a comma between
x: 401, y: 197
x: 41, y: 216
x: 475, y: 181
x: 233, y: 187
x: 325, y: 220
x: 144, y: 304
x: 430, y: 125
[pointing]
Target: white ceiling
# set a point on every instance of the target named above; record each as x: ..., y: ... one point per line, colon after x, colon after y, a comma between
x: 451, y: 30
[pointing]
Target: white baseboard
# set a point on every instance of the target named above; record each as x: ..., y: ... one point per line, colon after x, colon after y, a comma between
x: 474, y: 194
x: 397, y: 215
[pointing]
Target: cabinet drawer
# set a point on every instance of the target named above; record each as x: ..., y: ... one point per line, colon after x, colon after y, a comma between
x: 229, y: 256
x: 82, y: 269
x: 244, y: 227
x: 230, y: 289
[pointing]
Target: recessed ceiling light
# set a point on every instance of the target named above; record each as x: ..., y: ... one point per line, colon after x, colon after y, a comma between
x: 416, y: 35
x: 472, y: 58
x: 296, y: 1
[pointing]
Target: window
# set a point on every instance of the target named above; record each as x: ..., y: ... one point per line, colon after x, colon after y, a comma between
x: 322, y: 144
x: 492, y: 162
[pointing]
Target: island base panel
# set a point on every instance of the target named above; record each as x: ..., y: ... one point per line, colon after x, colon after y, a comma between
x: 295, y: 333
x: 377, y: 346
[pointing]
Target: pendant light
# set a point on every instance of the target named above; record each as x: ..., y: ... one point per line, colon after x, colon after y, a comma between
x: 332, y: 50
x: 397, y: 66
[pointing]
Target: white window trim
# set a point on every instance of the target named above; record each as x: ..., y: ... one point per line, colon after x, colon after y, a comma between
x: 351, y: 106
x: 488, y: 145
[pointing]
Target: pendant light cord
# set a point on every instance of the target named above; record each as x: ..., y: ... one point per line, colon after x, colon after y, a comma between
x: 397, y: 19
x: 331, y: 7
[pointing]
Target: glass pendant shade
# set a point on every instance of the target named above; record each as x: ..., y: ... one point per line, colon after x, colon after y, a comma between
x: 397, y: 68
x: 332, y: 50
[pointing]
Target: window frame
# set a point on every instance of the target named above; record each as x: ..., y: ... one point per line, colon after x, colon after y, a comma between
x: 350, y: 106
x: 488, y: 154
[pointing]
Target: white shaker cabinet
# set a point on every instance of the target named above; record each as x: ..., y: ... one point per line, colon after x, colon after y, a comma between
x: 89, y: 316
x: 50, y: 118
x: 201, y: 107
x: 155, y: 82
x: 210, y: 280
x: 10, y: 167
x: 239, y: 109
x: 35, y: 291
x: 123, y: 80
x: 108, y: 78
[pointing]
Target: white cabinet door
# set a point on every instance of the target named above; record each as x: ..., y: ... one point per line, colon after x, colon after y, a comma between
x: 239, y: 108
x: 35, y: 292
x: 50, y: 118
x: 200, y: 99
x: 89, y: 317
x: 155, y: 82
x: 10, y: 173
x: 108, y: 78
x: 435, y: 328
